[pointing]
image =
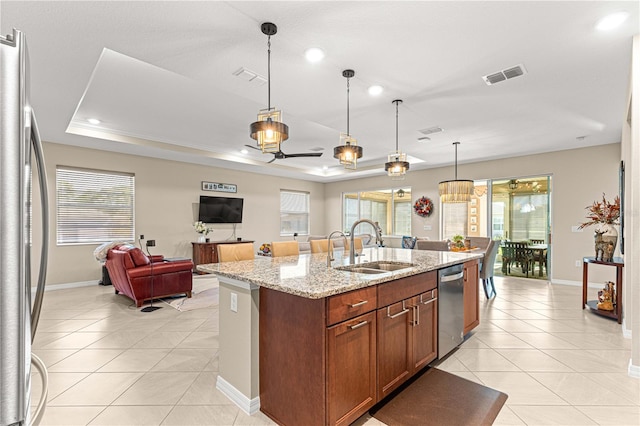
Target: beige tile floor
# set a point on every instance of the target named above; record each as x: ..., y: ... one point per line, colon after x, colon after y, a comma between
x: 110, y: 364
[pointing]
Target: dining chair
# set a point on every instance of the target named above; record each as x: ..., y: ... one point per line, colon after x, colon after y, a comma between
x: 534, y: 241
x: 285, y: 248
x: 432, y: 245
x: 235, y: 252
x: 320, y: 246
x: 409, y: 242
x: 357, y: 244
x: 480, y: 242
x: 486, y: 272
x: 516, y: 253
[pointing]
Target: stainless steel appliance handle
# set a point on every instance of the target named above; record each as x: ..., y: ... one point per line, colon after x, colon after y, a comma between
x: 44, y: 201
x: 447, y: 278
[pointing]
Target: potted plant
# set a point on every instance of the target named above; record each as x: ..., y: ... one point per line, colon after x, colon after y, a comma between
x: 604, y: 215
x: 203, y: 230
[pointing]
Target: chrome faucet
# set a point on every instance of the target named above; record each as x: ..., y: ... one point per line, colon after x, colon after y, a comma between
x: 330, y: 247
x: 376, y: 227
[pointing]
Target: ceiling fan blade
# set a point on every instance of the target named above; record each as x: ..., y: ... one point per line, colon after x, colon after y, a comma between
x: 253, y: 147
x: 272, y: 160
x: 305, y: 154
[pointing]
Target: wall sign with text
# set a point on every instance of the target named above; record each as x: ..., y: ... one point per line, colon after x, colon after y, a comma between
x: 219, y: 187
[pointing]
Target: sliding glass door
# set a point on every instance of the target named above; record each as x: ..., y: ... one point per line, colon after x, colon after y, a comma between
x: 521, y: 213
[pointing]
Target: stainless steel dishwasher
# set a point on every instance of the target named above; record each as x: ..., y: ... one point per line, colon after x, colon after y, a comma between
x: 450, y: 309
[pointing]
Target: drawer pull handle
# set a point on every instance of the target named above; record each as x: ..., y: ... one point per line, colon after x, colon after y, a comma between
x: 358, y: 325
x: 402, y: 312
x: 433, y: 299
x: 355, y: 305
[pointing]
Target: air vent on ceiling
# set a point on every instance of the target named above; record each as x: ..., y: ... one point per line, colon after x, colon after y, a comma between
x: 250, y: 76
x: 505, y: 74
x: 431, y: 130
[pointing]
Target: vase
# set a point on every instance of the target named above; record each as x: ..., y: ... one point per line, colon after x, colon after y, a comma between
x: 201, y: 239
x: 606, y: 240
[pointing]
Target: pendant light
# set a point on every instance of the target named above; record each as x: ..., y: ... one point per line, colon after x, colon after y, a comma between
x: 348, y: 152
x: 456, y: 191
x: 397, y: 164
x: 269, y: 131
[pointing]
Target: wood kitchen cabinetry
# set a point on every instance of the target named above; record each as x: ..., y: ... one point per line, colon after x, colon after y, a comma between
x: 471, y: 296
x: 407, y: 329
x: 204, y: 253
x: 327, y: 355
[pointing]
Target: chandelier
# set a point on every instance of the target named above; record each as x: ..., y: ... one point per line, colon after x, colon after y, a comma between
x: 397, y: 164
x: 269, y: 131
x: 456, y: 191
x: 348, y: 151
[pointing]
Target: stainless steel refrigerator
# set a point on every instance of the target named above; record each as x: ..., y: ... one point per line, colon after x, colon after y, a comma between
x: 19, y: 143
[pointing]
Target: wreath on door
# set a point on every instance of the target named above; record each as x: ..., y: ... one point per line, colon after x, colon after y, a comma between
x: 423, y: 207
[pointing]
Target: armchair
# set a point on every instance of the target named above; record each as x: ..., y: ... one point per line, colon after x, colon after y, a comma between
x: 131, y: 273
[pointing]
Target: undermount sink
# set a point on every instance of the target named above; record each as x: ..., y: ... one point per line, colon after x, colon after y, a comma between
x: 375, y: 267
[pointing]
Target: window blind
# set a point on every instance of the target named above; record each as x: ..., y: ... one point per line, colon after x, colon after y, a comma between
x: 94, y: 206
x: 294, y: 213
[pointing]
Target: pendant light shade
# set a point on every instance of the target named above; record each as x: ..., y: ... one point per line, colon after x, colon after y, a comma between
x: 397, y: 164
x: 269, y: 131
x: 348, y: 151
x: 456, y: 191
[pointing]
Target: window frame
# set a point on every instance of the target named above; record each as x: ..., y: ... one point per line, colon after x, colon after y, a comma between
x: 306, y: 213
x: 86, y: 213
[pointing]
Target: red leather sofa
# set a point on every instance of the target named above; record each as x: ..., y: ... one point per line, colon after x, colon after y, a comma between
x: 132, y: 273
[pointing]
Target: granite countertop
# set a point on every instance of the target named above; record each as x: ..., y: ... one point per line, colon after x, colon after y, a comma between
x: 307, y: 275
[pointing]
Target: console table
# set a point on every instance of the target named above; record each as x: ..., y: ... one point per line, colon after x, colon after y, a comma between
x: 616, y: 314
x: 208, y: 252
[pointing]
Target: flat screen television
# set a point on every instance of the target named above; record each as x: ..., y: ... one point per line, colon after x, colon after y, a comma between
x: 220, y: 209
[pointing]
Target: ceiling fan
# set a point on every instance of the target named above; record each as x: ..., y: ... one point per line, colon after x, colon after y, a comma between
x: 281, y: 155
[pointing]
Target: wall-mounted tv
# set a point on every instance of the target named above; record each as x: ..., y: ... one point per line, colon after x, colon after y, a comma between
x: 220, y: 210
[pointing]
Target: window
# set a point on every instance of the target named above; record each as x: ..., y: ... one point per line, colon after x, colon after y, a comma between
x: 294, y: 213
x: 94, y: 206
x: 454, y: 220
x: 391, y: 208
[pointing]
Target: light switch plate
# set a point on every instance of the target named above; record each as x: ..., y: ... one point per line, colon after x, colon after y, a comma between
x: 234, y: 302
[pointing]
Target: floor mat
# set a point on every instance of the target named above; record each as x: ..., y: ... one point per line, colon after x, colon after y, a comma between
x: 440, y: 398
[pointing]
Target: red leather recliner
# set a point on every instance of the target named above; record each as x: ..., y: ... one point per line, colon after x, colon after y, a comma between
x: 131, y: 272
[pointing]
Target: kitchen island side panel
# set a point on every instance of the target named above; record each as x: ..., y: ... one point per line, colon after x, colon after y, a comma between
x: 292, y: 363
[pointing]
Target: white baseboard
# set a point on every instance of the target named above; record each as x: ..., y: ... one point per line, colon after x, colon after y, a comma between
x: 249, y: 406
x: 626, y: 332
x: 576, y: 283
x: 634, y: 370
x: 53, y: 287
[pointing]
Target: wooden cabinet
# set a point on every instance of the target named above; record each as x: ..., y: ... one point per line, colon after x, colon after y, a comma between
x: 407, y: 333
x: 351, y: 369
x: 204, y: 253
x: 471, y: 296
x: 328, y: 361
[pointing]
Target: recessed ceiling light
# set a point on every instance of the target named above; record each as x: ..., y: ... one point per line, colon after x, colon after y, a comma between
x: 375, y: 90
x: 612, y: 21
x: 325, y: 167
x: 94, y: 121
x: 314, y: 54
x: 244, y: 151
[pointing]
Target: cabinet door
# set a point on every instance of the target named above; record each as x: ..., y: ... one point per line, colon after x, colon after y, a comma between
x: 394, y: 351
x: 470, y: 296
x: 424, y: 327
x: 351, y: 369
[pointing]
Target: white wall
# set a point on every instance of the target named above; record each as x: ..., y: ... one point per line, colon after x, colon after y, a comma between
x: 579, y: 177
x: 167, y: 195
x: 631, y: 157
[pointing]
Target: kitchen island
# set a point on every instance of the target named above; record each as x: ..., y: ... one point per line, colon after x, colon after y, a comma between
x: 312, y: 344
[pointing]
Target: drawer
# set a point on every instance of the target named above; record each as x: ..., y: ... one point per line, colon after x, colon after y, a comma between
x: 344, y: 306
x: 404, y: 288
